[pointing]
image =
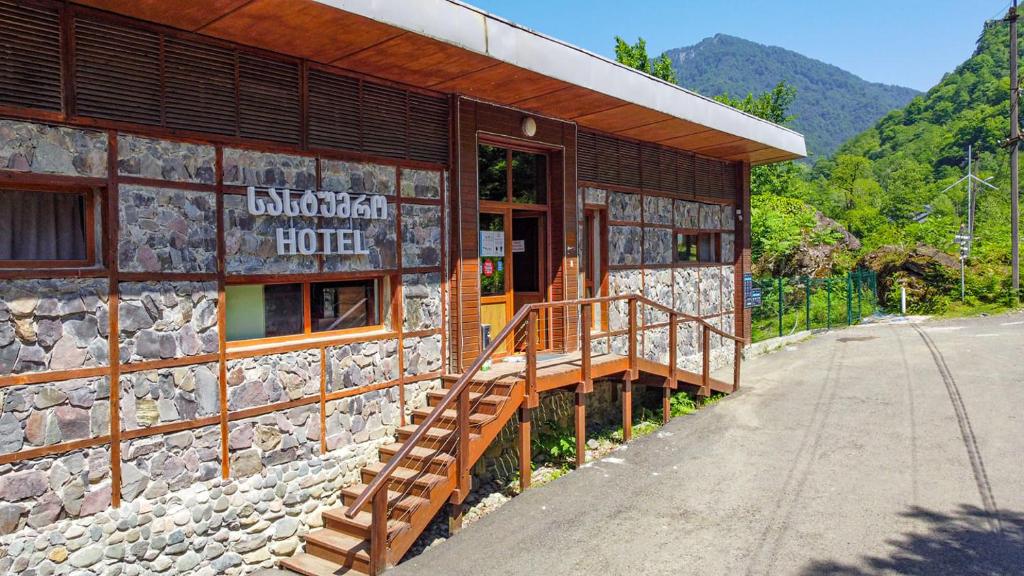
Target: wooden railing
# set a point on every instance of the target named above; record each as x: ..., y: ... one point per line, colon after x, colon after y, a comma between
x: 458, y: 394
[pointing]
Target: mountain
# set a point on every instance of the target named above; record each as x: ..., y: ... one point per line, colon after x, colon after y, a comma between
x: 892, y: 185
x: 832, y: 105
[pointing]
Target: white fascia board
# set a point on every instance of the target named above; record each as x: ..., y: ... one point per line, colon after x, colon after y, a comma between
x: 465, y: 26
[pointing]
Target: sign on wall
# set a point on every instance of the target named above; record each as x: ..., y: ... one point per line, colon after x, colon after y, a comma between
x: 751, y: 293
x: 492, y: 244
x: 346, y: 241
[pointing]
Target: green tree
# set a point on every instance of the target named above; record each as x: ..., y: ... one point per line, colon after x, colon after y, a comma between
x: 635, y: 56
x: 773, y: 106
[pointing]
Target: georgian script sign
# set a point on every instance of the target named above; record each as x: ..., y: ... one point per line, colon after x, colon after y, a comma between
x: 320, y: 204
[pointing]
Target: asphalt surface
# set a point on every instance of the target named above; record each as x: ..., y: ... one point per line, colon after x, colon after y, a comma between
x: 887, y: 449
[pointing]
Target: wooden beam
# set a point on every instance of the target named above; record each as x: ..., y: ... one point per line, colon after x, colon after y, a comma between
x: 581, y: 429
x: 525, y: 470
x: 627, y: 407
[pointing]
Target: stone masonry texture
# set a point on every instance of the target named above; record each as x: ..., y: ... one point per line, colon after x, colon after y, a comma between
x: 143, y: 157
x: 161, y: 320
x: 53, y: 325
x: 43, y: 149
x: 167, y: 230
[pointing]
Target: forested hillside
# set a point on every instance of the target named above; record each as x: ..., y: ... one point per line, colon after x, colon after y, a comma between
x: 832, y: 105
x: 885, y: 185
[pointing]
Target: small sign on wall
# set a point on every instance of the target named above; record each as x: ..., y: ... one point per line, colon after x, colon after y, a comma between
x: 488, y: 268
x: 518, y: 246
x: 751, y: 293
x: 492, y: 244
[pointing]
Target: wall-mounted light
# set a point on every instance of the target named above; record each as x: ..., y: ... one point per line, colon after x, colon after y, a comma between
x: 529, y: 126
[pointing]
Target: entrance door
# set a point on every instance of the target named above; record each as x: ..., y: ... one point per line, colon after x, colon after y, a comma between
x: 529, y: 285
x: 512, y: 189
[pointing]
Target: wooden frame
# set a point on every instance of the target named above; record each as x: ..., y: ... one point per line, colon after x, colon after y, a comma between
x: 89, y: 208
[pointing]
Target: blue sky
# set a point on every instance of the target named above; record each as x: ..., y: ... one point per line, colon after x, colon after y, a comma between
x: 905, y: 42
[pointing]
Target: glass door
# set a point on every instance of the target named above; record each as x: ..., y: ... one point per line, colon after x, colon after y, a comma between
x: 494, y: 276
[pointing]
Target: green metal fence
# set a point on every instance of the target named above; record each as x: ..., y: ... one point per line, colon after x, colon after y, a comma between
x: 789, y: 305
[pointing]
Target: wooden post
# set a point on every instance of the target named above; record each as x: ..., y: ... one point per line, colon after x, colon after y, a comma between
x: 633, y: 373
x: 532, y: 398
x: 627, y: 408
x: 455, y: 514
x: 525, y: 470
x: 666, y: 404
x: 581, y: 429
x: 705, y: 384
x: 379, y: 531
x: 737, y: 357
x: 588, y: 382
x: 673, y: 354
x: 462, y: 451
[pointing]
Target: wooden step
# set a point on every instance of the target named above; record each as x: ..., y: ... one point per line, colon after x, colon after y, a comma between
x: 405, y: 479
x: 358, y: 525
x: 490, y: 404
x: 433, y: 438
x: 398, y: 502
x: 449, y: 418
x: 309, y: 565
x: 436, y: 461
x: 482, y: 384
x: 330, y: 552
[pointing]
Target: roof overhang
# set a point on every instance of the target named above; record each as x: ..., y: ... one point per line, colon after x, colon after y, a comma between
x: 451, y: 47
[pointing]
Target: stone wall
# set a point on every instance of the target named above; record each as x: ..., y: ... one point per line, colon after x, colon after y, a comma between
x: 44, y: 149
x: 161, y: 320
x: 167, y: 230
x: 142, y: 157
x: 53, y: 325
x: 177, y: 514
x: 40, y: 415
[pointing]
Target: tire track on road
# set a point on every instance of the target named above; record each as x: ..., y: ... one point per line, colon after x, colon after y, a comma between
x: 766, y: 551
x: 988, y: 499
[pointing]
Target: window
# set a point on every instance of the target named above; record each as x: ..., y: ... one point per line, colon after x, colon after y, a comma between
x: 344, y: 305
x: 492, y: 165
x: 707, y: 248
x: 692, y: 247
x: 263, y: 311
x: 529, y: 178
x: 50, y: 227
x: 256, y: 311
x: 686, y: 247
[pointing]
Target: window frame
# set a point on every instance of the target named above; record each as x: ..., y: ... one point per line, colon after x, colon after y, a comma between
x: 89, y: 195
x: 385, y: 290
x: 716, y: 245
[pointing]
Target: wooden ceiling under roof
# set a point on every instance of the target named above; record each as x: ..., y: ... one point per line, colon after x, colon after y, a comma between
x: 330, y: 36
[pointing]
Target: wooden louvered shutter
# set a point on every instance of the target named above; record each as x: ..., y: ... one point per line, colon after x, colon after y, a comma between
x: 428, y: 128
x: 629, y: 163
x: 586, y: 156
x: 199, y: 82
x: 384, y: 120
x: 117, y: 72
x: 268, y: 99
x: 732, y: 181
x: 687, y: 174
x: 334, y: 120
x: 607, y: 160
x: 30, y: 70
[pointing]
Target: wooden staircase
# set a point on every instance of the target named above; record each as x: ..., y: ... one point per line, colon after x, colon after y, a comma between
x: 430, y: 463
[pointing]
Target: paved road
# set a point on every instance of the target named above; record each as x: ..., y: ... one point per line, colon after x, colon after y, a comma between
x: 893, y: 449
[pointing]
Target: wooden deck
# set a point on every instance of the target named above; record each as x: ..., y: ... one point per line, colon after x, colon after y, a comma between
x: 556, y: 370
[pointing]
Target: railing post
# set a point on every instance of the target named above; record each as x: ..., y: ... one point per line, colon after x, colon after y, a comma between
x: 633, y: 371
x: 463, y: 448
x: 705, y: 383
x: 531, y: 360
x: 379, y: 531
x: 585, y: 361
x: 627, y: 407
